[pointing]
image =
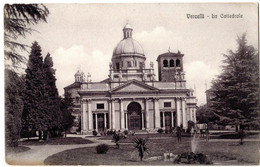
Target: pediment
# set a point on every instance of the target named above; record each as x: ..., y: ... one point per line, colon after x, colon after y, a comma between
x: 134, y: 86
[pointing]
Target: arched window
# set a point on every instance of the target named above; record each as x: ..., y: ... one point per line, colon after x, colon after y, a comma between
x: 129, y: 64
x: 117, y: 66
x: 171, y: 63
x: 178, y: 63
x: 165, y: 63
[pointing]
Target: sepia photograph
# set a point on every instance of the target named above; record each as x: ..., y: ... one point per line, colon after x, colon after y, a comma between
x: 131, y: 84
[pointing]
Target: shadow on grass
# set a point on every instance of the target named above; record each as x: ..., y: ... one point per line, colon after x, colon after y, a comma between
x: 18, y: 149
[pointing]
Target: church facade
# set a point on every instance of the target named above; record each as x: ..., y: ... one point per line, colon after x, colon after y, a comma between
x: 131, y: 98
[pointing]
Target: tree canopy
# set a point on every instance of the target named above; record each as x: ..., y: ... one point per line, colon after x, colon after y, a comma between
x: 236, y: 90
x: 66, y: 108
x: 17, y: 18
x: 14, y: 86
x: 52, y: 98
x: 34, y: 113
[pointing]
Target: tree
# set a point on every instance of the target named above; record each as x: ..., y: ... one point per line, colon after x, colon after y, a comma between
x: 66, y: 109
x: 206, y: 115
x: 17, y: 19
x: 236, y: 90
x: 13, y: 107
x: 51, y: 96
x: 35, y: 116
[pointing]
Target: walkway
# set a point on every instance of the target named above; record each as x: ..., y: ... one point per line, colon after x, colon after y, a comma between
x: 37, y: 154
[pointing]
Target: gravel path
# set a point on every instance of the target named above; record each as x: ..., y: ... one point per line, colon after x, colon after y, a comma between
x: 37, y: 154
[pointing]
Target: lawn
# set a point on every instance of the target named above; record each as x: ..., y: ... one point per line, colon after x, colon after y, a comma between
x: 57, y: 141
x: 217, y: 151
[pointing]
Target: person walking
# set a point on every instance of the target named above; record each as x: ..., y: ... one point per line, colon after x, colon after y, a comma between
x: 178, y: 132
x: 241, y: 135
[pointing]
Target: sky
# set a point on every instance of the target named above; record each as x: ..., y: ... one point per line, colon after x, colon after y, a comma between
x: 83, y: 36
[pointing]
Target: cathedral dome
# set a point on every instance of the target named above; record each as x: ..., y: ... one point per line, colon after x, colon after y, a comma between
x: 128, y: 46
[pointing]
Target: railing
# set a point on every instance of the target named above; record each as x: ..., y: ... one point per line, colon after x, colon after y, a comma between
x: 133, y: 70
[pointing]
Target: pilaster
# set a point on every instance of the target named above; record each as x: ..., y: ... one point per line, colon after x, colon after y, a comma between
x: 184, y: 120
x: 146, y: 113
x: 178, y: 107
x: 84, y: 117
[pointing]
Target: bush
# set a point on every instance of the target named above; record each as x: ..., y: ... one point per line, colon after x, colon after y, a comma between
x: 108, y: 133
x: 192, y: 158
x: 102, y: 149
x: 126, y: 132
x: 159, y: 130
x: 141, y: 146
x: 191, y: 124
x: 94, y: 133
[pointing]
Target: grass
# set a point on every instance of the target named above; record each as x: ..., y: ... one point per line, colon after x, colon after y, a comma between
x: 88, y: 156
x: 17, y: 149
x: 58, y: 141
x: 218, y: 151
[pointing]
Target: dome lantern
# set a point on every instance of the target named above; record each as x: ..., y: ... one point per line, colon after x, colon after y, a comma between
x: 127, y: 31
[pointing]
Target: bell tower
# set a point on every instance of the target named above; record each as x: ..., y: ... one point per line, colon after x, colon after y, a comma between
x: 170, y: 67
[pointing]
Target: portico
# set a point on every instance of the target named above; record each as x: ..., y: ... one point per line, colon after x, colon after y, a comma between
x: 140, y: 113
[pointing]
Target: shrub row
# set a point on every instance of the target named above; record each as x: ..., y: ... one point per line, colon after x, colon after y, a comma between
x: 110, y: 133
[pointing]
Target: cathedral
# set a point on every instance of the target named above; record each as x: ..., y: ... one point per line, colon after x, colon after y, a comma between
x: 131, y: 98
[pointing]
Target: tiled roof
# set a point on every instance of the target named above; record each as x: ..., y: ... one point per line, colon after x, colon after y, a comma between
x: 74, y: 85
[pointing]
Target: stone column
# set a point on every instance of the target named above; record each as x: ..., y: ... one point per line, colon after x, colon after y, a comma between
x: 113, y: 114
x: 105, y: 120
x: 194, y: 112
x: 172, y: 119
x: 90, y: 116
x: 184, y: 121
x: 109, y: 115
x: 163, y: 118
x: 96, y: 123
x: 84, y: 117
x: 178, y: 105
x: 156, y: 113
x: 143, y: 120
x: 122, y: 115
x: 146, y: 113
x: 191, y: 113
x: 126, y: 121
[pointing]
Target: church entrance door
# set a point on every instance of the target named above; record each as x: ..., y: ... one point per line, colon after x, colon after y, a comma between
x: 134, y: 116
x: 168, y: 120
x: 100, y: 118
